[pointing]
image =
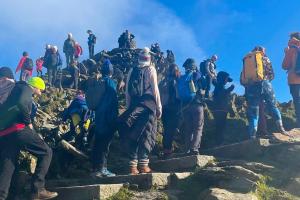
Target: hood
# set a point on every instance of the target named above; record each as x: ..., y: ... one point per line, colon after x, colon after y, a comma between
x: 6, y: 86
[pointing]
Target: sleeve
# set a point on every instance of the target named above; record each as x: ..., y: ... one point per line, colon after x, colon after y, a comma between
x: 155, y: 90
x: 127, y: 92
x: 19, y: 67
x: 25, y: 106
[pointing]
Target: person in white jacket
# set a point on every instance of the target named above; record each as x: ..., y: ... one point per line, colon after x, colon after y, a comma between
x: 138, y: 124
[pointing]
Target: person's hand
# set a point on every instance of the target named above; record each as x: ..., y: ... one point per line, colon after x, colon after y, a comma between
x: 30, y: 126
x: 158, y: 114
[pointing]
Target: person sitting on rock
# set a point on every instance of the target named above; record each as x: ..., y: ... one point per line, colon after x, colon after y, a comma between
x: 221, y: 103
x: 76, y: 112
x: 138, y: 124
x: 18, y: 134
x: 192, y: 107
x: 106, y: 115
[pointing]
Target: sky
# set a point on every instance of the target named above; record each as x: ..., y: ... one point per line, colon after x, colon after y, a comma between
x: 194, y: 28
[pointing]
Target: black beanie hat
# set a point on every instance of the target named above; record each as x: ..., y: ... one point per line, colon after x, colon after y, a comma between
x: 6, y: 72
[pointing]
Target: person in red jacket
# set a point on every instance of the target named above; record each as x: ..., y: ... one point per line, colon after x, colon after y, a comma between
x: 25, y: 65
x: 78, y: 51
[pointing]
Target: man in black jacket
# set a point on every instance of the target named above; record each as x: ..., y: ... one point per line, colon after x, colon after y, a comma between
x: 91, y: 43
x: 23, y: 137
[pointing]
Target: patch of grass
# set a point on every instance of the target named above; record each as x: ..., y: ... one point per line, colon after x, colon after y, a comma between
x: 123, y: 194
x: 265, y: 192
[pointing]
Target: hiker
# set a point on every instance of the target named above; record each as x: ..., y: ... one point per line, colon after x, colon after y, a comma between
x: 39, y: 66
x: 221, y: 102
x: 91, y: 43
x: 69, y: 49
x: 53, y: 62
x: 171, y: 107
x: 16, y: 128
x: 259, y: 88
x: 208, y: 73
x: 76, y: 113
x: 26, y: 66
x: 74, y: 71
x: 138, y: 124
x: 191, y: 107
x: 78, y: 51
x: 7, y: 83
x: 291, y: 64
x: 106, y: 115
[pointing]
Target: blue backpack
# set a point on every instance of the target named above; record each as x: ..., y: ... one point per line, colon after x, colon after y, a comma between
x: 186, y: 88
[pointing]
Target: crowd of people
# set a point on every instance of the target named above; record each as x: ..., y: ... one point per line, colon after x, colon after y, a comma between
x: 178, y: 100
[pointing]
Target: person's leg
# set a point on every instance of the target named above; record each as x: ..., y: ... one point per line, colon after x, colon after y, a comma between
x: 54, y: 76
x: 30, y: 141
x: 262, y: 122
x: 67, y: 60
x: 76, y: 79
x: 168, y: 135
x: 220, y: 120
x: 9, y: 156
x: 187, y: 128
x: 208, y: 86
x: 133, y: 156
x: 93, y: 50
x: 197, y: 127
x: 253, y: 98
x: 49, y: 72
x: 295, y: 92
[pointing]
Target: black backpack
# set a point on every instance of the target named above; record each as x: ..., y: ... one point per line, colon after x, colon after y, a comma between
x: 203, y: 67
x: 28, y: 64
x: 135, y: 82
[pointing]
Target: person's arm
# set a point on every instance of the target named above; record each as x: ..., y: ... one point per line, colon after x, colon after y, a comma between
x: 155, y: 91
x: 25, y: 105
x: 21, y: 62
x: 128, y: 99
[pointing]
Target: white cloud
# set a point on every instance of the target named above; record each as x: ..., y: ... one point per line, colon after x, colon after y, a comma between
x: 29, y: 25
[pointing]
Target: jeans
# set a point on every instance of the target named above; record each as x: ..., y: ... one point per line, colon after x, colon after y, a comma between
x: 295, y: 92
x: 254, y: 95
x: 101, y: 150
x: 30, y: 141
x: 25, y: 75
x: 193, y: 121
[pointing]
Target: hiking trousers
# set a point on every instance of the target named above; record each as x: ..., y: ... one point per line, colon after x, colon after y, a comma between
x: 27, y: 140
x: 69, y: 58
x: 91, y: 51
x: 170, y: 120
x: 295, y: 92
x: 220, y: 121
x: 52, y: 74
x: 101, y: 149
x: 256, y: 93
x: 193, y: 121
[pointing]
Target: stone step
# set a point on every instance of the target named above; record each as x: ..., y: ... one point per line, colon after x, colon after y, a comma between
x: 244, y: 150
x: 144, y: 181
x: 87, y: 192
x: 180, y: 164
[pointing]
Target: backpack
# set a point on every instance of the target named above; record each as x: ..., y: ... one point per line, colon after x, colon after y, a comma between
x: 135, y: 83
x: 186, y: 88
x: 28, y: 64
x: 203, y: 67
x: 253, y: 68
x: 94, y: 92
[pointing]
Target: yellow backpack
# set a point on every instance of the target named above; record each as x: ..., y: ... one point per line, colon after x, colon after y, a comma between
x: 253, y: 68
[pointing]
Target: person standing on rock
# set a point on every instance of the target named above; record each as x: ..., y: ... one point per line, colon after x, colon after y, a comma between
x: 78, y: 51
x: 91, y: 43
x: 106, y: 116
x: 171, y: 107
x: 192, y: 106
x: 69, y: 49
x: 75, y: 72
x: 259, y: 90
x: 208, y: 71
x: 138, y: 124
x: 18, y: 130
x: 26, y: 67
x: 221, y: 103
x: 53, y: 62
x: 292, y: 65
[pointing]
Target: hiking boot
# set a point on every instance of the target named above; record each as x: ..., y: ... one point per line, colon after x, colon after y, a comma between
x: 43, y: 194
x: 144, y: 169
x: 192, y: 153
x: 102, y: 173
x: 134, y: 170
x: 281, y: 128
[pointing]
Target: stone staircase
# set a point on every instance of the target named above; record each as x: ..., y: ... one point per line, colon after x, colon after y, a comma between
x: 167, y: 174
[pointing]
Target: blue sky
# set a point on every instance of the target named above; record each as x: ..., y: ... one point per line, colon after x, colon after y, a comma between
x: 197, y: 29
